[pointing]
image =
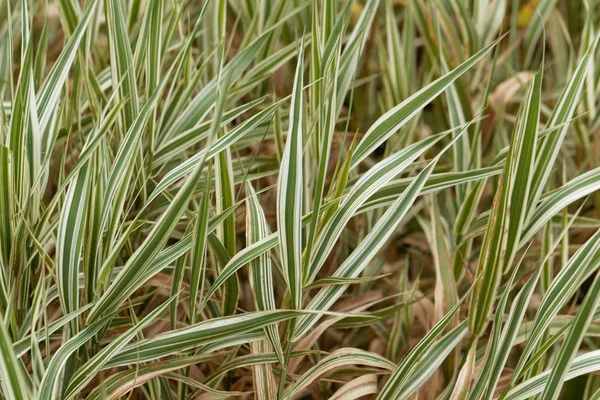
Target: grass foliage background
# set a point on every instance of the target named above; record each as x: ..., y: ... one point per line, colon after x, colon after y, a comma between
x: 279, y: 199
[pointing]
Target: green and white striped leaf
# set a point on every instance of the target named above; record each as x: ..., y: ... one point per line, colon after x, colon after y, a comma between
x: 508, y: 212
x: 584, y: 364
x: 261, y: 270
x: 337, y: 359
x: 394, y: 119
x: 13, y: 379
x: 203, y: 333
x: 580, y: 266
x: 289, y: 193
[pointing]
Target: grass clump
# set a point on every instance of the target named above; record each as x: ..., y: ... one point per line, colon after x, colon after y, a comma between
x: 279, y: 199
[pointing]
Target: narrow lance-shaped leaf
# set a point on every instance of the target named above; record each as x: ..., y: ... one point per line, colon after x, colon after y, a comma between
x: 69, y: 242
x: 179, y: 143
x: 13, y: 380
x: 394, y: 119
x: 89, y: 149
x: 357, y: 388
x: 550, y: 206
x: 194, y: 112
x: 153, y: 62
x: 462, y: 152
x: 504, y: 226
x: 72, y: 228
x: 5, y: 206
x: 251, y: 360
x: 19, y: 122
x: 583, y: 364
x: 211, y: 331
x: 536, y: 25
x: 561, y: 115
x: 265, y: 387
x: 31, y: 134
x: 119, y: 384
x: 261, y: 271
x: 339, y: 358
x: 174, y: 252
x: 519, y: 197
x: 289, y: 193
x: 122, y: 60
x: 224, y: 193
x: 559, y: 199
x: 326, y: 130
x: 122, y: 168
x: 198, y: 274
x: 23, y: 345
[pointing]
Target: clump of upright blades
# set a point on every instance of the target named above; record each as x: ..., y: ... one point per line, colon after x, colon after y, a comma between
x: 315, y: 199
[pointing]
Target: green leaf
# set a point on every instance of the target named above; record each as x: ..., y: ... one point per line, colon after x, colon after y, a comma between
x: 197, y: 335
x: 394, y: 119
x: 14, y: 381
x: 289, y: 193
